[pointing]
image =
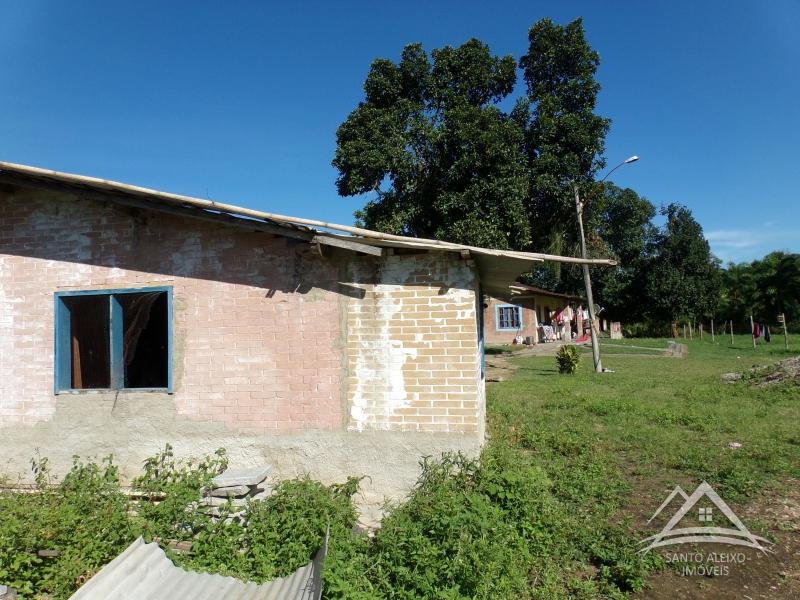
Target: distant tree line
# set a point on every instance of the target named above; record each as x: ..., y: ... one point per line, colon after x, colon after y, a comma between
x: 763, y: 288
x: 445, y: 149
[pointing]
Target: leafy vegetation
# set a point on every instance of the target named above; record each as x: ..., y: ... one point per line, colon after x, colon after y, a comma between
x: 444, y: 159
x: 683, y: 279
x: 568, y: 358
x: 762, y: 288
x: 84, y: 519
x: 174, y: 484
x: 546, y: 512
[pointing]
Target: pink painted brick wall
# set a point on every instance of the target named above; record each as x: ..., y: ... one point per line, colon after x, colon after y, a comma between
x: 256, y: 319
x: 492, y: 335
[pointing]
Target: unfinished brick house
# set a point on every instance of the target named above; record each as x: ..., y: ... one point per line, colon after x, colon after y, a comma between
x: 131, y: 318
x: 521, y: 313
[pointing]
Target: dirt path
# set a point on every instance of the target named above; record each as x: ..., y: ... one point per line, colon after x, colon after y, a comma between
x: 500, y: 368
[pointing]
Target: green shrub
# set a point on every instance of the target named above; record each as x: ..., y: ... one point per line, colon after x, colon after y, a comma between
x: 454, y: 537
x: 84, y: 519
x: 568, y: 358
x: 284, y: 532
x: 170, y: 485
x: 647, y: 329
x: 527, y: 521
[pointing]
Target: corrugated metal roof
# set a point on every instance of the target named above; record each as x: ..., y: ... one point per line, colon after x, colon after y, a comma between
x: 143, y: 572
x: 498, y: 268
x: 522, y: 290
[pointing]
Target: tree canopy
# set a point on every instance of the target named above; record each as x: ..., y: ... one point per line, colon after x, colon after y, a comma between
x: 432, y: 144
x: 446, y: 146
x: 763, y: 288
x: 564, y: 139
x: 621, y: 227
x: 442, y: 159
x: 682, y: 278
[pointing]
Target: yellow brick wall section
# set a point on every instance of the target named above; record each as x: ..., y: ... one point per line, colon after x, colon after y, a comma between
x: 412, y: 347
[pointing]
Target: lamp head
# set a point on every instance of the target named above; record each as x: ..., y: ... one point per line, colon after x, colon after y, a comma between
x: 631, y: 159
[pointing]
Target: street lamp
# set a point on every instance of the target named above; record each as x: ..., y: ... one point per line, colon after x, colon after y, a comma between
x: 598, y: 366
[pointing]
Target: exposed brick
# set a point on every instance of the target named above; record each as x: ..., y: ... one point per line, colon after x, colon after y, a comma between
x: 226, y: 327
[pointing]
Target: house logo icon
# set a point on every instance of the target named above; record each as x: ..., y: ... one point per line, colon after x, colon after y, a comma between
x: 737, y: 535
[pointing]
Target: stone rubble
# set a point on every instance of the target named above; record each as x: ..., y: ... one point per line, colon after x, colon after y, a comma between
x: 237, y: 486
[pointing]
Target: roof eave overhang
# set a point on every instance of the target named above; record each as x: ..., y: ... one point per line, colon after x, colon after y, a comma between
x: 498, y: 269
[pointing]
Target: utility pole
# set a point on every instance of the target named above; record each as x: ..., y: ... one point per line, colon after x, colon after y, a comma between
x: 782, y: 319
x: 587, y: 282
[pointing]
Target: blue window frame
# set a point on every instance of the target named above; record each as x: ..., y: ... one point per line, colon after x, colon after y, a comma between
x: 114, y: 340
x: 508, y: 317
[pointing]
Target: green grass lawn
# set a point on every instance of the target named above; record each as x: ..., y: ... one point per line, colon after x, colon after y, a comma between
x: 612, y: 443
x: 663, y: 416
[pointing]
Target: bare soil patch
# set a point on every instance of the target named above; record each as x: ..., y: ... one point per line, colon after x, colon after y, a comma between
x: 783, y: 371
x: 775, y: 576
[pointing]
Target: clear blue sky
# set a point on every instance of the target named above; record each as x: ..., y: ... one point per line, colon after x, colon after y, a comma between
x: 239, y: 101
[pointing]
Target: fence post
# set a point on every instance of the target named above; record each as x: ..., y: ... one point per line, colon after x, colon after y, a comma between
x: 752, y: 332
x: 712, y: 331
x: 731, y: 332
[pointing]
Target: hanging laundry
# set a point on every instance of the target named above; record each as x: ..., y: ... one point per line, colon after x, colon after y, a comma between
x: 756, y: 330
x: 568, y: 313
x: 766, y: 333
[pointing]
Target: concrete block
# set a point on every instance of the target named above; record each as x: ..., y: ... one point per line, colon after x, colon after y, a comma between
x: 236, y: 477
x: 232, y: 491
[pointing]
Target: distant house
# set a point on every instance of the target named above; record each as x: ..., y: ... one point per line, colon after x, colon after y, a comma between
x: 525, y: 313
x: 131, y: 318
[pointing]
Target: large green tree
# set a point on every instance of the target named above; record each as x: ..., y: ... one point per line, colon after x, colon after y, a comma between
x: 564, y: 138
x: 682, y: 277
x: 439, y: 154
x: 441, y: 158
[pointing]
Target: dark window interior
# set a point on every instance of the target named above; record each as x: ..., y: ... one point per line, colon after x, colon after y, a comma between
x: 145, y: 345
x: 89, y: 342
x: 118, y: 340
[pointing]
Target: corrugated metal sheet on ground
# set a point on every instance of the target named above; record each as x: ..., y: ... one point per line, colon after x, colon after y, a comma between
x: 143, y: 572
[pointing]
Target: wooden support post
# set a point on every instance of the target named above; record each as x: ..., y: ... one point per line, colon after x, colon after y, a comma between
x: 684, y: 331
x: 701, y: 331
x: 731, y: 333
x: 785, y: 334
x: 752, y: 332
x: 712, y: 331
x: 691, y: 333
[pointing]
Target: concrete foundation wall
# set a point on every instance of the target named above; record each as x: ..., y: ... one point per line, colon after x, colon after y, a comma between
x: 337, y: 365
